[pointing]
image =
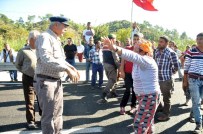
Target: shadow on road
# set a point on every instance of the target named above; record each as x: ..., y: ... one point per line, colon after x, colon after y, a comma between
x: 176, y: 127
x: 86, y: 105
x: 11, y: 86
x: 11, y: 103
x: 177, y: 110
x: 10, y: 127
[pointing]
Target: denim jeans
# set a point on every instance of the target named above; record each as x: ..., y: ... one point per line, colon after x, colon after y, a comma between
x: 88, y: 65
x: 71, y: 61
x: 196, y: 92
x: 97, y: 68
x: 13, y: 74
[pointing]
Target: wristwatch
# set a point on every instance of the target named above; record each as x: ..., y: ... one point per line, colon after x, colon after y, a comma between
x: 116, y: 49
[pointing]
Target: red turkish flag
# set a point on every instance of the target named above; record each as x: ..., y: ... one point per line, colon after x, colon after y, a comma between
x: 145, y: 4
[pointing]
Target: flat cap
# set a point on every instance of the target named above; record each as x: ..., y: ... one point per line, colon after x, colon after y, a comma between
x: 112, y: 36
x: 59, y: 19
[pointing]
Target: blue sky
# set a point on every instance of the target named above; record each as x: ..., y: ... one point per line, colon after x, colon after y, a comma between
x: 183, y: 15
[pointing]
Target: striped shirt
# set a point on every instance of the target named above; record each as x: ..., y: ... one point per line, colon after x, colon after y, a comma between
x: 144, y: 73
x: 96, y: 56
x: 50, y: 55
x: 167, y: 62
x: 194, y: 62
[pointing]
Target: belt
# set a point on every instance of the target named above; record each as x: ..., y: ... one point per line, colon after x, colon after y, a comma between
x: 196, y: 77
x: 47, y: 77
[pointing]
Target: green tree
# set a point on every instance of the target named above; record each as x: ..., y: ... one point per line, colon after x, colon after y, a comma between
x: 123, y: 34
x: 30, y: 22
x: 183, y: 36
x: 101, y: 31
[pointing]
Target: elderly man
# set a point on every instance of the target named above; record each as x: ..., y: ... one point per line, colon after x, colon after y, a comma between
x: 51, y: 66
x: 26, y: 63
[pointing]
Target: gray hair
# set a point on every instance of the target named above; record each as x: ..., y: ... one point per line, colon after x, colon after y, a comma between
x: 33, y: 34
x: 52, y: 23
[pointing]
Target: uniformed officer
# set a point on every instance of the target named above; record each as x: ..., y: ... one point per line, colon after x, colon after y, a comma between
x: 51, y: 66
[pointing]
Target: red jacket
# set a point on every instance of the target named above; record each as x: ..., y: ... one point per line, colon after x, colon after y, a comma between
x: 128, y: 66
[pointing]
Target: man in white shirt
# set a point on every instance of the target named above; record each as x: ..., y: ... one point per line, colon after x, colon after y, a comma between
x: 135, y: 30
x: 89, y: 32
x: 9, y: 55
x: 80, y: 50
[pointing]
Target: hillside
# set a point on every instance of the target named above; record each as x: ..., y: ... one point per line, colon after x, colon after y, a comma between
x: 16, y: 32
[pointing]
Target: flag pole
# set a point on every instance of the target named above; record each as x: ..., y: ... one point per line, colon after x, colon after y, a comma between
x: 132, y: 21
x: 132, y: 12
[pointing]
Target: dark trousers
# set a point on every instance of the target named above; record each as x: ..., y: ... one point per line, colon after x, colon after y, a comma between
x: 13, y: 74
x: 88, y: 65
x: 129, y: 86
x: 71, y: 61
x: 97, y: 68
x: 29, y: 95
x: 166, y: 87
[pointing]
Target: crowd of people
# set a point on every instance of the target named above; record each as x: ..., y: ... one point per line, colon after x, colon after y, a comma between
x: 147, y: 72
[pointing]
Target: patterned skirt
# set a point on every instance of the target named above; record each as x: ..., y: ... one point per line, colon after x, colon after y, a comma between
x: 144, y: 117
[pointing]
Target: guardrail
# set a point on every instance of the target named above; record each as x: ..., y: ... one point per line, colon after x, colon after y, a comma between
x: 11, y: 66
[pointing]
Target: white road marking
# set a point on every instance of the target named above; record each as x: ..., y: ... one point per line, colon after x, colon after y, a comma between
x: 68, y: 131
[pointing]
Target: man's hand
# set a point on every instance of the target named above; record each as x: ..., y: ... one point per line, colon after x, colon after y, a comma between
x: 74, y: 75
x: 109, y: 43
x: 185, y: 84
x: 74, y: 69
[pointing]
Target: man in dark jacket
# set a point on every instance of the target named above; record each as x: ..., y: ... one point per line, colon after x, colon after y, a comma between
x: 111, y: 65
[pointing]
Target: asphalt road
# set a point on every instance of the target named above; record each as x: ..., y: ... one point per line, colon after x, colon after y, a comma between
x: 83, y: 115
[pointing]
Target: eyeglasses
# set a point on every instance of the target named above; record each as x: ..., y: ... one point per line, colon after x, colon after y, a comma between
x: 63, y: 25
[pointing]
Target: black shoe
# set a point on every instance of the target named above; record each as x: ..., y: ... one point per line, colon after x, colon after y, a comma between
x: 31, y: 125
x: 104, y: 96
x: 102, y: 101
x: 16, y: 80
x: 198, y: 129
x: 191, y: 120
x: 112, y: 95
